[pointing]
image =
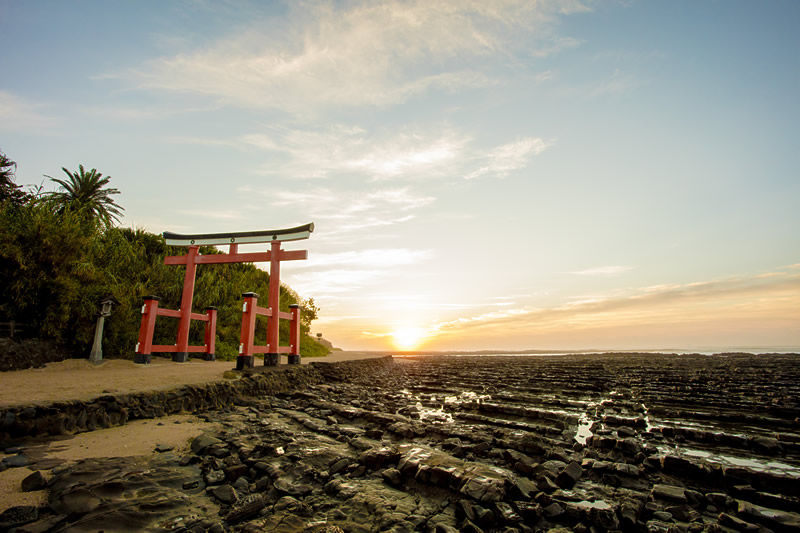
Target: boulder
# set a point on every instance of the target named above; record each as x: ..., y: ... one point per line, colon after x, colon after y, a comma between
x: 567, y: 478
x: 35, y: 481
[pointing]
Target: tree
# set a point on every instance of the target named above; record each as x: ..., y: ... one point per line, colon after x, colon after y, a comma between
x: 8, y: 189
x: 86, y: 192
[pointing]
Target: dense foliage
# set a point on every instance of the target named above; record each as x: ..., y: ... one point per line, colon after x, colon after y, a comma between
x: 56, y: 263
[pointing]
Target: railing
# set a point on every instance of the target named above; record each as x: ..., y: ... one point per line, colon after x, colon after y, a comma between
x: 14, y: 329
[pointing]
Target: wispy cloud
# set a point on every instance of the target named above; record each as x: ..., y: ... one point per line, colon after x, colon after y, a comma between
x: 360, y: 53
x: 23, y: 115
x: 500, y: 161
x: 756, y: 297
x: 352, y: 150
x: 410, y: 155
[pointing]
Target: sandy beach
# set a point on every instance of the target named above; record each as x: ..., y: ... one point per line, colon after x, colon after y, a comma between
x: 78, y: 379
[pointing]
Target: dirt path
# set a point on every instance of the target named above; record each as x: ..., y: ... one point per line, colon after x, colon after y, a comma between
x: 78, y: 379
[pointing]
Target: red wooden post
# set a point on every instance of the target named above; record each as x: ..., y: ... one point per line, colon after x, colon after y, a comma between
x: 211, y: 334
x: 181, y: 354
x: 245, y: 359
x: 145, y: 345
x: 294, y: 335
x: 271, y: 358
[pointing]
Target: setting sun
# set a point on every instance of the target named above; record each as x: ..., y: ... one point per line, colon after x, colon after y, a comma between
x: 408, y: 338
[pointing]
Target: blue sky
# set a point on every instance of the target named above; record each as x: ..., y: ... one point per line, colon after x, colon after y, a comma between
x: 556, y: 174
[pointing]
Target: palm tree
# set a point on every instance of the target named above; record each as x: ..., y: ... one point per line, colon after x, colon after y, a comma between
x: 8, y: 189
x: 85, y: 191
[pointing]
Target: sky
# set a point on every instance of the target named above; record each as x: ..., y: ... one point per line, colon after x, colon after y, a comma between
x: 557, y: 174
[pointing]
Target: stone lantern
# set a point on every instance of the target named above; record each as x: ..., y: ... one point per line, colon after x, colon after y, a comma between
x: 96, y: 355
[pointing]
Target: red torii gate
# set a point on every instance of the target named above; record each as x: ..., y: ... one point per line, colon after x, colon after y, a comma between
x: 272, y: 350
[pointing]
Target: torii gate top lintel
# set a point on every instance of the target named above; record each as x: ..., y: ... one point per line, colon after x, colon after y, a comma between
x: 243, y: 237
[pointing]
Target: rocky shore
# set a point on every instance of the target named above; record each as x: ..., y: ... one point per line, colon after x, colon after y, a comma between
x: 613, y: 442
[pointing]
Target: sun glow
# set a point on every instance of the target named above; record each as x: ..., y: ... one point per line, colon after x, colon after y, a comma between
x: 408, y: 338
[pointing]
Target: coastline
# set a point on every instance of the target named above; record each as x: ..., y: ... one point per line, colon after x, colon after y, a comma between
x: 430, y: 443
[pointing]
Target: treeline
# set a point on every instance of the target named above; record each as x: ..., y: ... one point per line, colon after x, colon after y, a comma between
x: 59, y: 256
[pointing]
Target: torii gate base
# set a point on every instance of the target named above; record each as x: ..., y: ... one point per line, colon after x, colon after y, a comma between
x: 272, y: 350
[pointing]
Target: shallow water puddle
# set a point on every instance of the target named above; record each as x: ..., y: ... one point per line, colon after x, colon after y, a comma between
x: 437, y: 415
x: 467, y: 397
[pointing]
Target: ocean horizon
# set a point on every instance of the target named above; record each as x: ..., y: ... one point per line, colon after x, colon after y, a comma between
x: 701, y: 350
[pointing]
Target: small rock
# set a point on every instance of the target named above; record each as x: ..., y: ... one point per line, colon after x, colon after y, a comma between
x: 679, y: 513
x: 242, y: 486
x: 16, y: 461
x: 225, y: 494
x: 526, y: 487
x: 246, y: 508
x: 161, y: 448
x: 339, y: 465
x: 215, y: 477
x: 18, y: 515
x: 669, y: 492
x: 736, y: 523
x: 569, y: 476
x: 626, y: 469
x: 201, y: 442
x: 553, y: 510
x: 545, y: 484
x: 234, y: 472
x: 767, y: 445
x: 392, y: 476
x: 35, y: 481
x: 506, y: 513
x: 286, y: 485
